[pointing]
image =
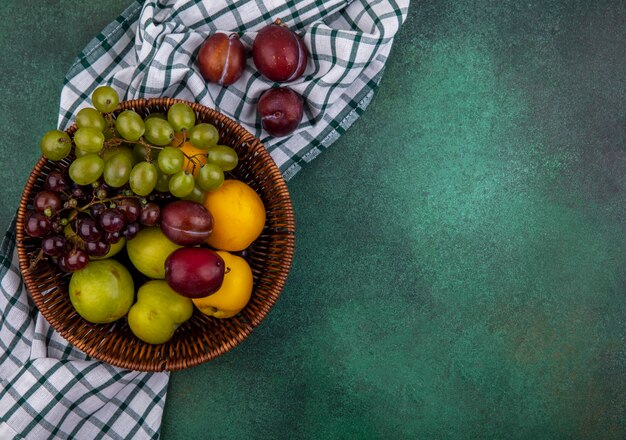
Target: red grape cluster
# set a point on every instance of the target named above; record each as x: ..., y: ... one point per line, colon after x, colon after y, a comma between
x: 77, y: 222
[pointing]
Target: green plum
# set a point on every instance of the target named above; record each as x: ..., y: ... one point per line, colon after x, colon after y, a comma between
x: 149, y: 250
x: 102, y: 292
x: 158, y: 312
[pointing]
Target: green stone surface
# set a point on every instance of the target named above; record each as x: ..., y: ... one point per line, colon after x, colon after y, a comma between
x: 460, y: 262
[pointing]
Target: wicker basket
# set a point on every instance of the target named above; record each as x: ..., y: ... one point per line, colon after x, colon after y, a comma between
x: 202, y: 338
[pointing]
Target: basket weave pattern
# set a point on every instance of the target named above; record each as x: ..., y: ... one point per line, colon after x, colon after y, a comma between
x: 201, y: 338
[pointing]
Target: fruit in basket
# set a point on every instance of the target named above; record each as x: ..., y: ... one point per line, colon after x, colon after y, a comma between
x: 150, y: 214
x: 105, y: 99
x: 238, y: 216
x: 194, y: 271
x: 37, y: 225
x: 130, y: 207
x: 130, y: 125
x: 56, y: 181
x: 55, y: 145
x: 235, y: 291
x: 281, y: 111
x: 89, y: 117
x: 158, y: 132
x: 171, y: 160
x: 203, y: 135
x: 158, y: 312
x: 54, y: 245
x: 181, y: 117
x: 149, y: 250
x: 222, y: 59
x: 143, y: 178
x: 181, y: 184
x: 102, y: 292
x: 223, y: 156
x: 114, y: 249
x: 209, y: 177
x: 89, y: 140
x: 117, y: 169
x: 47, y: 200
x: 186, y: 223
x: 87, y: 169
x: 279, y: 53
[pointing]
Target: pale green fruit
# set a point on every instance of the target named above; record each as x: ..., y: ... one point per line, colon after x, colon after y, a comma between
x: 149, y: 250
x: 158, y: 312
x: 102, y: 292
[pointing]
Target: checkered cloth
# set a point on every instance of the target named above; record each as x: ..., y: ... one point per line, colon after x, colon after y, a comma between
x: 49, y: 389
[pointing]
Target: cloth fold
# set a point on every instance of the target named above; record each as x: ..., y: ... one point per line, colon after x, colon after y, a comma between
x: 50, y: 389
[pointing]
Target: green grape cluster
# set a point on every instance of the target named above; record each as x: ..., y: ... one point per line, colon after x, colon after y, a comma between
x: 168, y: 152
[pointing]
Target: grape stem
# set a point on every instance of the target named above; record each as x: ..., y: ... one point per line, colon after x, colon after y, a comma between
x: 36, y: 260
x: 95, y: 201
x: 114, y: 142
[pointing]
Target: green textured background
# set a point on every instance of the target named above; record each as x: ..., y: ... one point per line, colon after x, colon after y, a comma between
x: 460, y: 265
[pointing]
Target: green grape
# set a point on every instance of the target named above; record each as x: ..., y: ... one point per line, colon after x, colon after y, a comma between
x: 80, y: 153
x: 105, y: 99
x: 171, y: 160
x: 139, y: 151
x: 143, y: 178
x: 210, y: 177
x: 130, y: 125
x: 223, y: 156
x: 109, y: 152
x: 117, y: 169
x: 181, y: 184
x: 196, y: 195
x: 55, y: 145
x: 91, y: 118
x: 163, y: 181
x: 158, y: 132
x: 203, y: 136
x: 181, y: 117
x: 156, y: 115
x: 89, y: 139
x: 86, y: 169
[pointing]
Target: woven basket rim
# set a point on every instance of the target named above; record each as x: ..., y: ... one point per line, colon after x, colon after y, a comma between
x: 244, y: 324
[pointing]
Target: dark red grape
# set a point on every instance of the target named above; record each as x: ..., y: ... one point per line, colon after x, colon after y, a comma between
x: 75, y: 259
x: 56, y: 181
x: 131, y: 209
x: 279, y: 53
x: 112, y: 237
x: 37, y: 225
x: 130, y: 230
x: 97, y: 248
x: 186, y: 223
x: 97, y: 209
x: 222, y: 59
x: 53, y: 245
x: 194, y: 272
x: 150, y: 214
x: 112, y: 220
x: 88, y: 229
x: 281, y: 111
x: 48, y: 200
x: 78, y: 192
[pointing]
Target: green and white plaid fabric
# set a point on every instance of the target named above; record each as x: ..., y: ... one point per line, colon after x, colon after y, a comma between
x: 151, y: 50
x: 49, y: 389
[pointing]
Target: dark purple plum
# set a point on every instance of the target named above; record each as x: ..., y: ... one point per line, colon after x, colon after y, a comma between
x: 194, y: 272
x: 281, y: 111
